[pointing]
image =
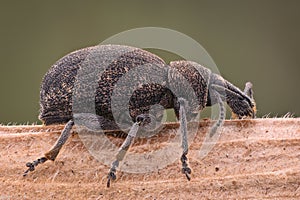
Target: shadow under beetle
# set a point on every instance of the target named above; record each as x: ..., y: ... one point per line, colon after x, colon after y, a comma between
x: 58, y: 86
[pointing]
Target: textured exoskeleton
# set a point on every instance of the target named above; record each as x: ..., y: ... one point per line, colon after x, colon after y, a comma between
x: 107, y: 65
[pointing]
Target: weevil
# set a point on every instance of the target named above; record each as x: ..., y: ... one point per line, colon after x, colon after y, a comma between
x: 58, y: 86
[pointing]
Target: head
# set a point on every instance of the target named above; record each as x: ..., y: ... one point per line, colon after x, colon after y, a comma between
x: 247, y: 106
x: 242, y: 103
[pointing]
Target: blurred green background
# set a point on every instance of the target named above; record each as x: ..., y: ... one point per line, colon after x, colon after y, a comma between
x: 257, y: 41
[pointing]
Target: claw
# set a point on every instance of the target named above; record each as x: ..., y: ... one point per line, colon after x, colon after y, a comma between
x: 108, y: 182
x: 187, y: 171
x: 31, y: 165
x: 111, y: 176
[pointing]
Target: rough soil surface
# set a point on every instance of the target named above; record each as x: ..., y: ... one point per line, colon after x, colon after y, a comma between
x: 253, y: 159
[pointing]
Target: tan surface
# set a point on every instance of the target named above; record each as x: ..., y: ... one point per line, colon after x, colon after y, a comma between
x: 254, y: 159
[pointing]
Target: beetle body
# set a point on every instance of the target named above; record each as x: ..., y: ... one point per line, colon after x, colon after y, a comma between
x: 59, y: 86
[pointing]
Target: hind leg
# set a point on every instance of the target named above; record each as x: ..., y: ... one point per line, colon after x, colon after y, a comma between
x: 53, y: 152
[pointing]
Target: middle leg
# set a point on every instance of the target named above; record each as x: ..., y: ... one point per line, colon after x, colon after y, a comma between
x: 124, y: 148
x: 184, y: 144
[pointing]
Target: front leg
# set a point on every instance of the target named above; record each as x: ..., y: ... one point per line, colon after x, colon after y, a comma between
x: 222, y: 112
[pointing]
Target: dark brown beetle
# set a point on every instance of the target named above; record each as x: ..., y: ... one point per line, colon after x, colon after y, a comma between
x: 59, y: 85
